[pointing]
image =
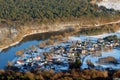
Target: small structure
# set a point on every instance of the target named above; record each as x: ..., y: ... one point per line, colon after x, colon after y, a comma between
x: 20, y: 62
x: 84, y: 51
x: 37, y: 58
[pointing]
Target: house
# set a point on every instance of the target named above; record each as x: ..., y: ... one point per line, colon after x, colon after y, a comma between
x: 20, y: 62
x: 83, y: 51
x: 111, y: 46
x: 58, y: 51
x: 62, y: 49
x: 95, y: 45
x: 79, y: 45
x: 84, y: 43
x: 72, y: 49
x: 37, y: 58
x: 79, y: 50
x: 116, y: 44
x: 91, y: 49
x: 28, y: 60
x: 100, y: 40
x: 71, y: 54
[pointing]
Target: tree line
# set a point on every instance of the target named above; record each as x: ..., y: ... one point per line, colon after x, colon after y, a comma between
x: 46, y: 10
x: 73, y: 74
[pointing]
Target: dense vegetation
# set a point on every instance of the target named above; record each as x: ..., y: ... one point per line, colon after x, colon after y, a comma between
x: 111, y: 38
x: 44, y: 10
x: 73, y: 74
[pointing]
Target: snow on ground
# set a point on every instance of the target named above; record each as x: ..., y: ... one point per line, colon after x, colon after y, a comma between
x: 82, y: 38
x: 93, y: 38
x: 106, y: 34
x: 115, y: 4
x: 114, y: 53
x: 91, y: 58
x: 75, y: 38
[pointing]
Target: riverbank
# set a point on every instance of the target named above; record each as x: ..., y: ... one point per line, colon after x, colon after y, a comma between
x: 32, y: 40
x: 56, y: 27
x: 28, y: 34
x: 80, y: 47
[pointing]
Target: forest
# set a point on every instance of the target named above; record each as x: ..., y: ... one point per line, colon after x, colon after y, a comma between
x: 50, y: 10
x: 73, y: 74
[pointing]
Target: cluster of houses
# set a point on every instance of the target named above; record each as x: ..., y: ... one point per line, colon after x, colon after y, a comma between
x: 59, y: 57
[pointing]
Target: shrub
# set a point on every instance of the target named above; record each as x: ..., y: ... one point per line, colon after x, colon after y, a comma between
x: 32, y: 47
x: 116, y: 74
x: 29, y: 75
x: 42, y: 44
x: 111, y: 38
x: 20, y: 53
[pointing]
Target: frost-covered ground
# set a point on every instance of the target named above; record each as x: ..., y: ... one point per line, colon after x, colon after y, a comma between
x: 106, y: 34
x: 114, y: 53
x: 94, y: 37
x: 115, y: 4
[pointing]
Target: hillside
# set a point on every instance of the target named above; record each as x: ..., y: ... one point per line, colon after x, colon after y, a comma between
x: 18, y: 18
x: 49, y: 11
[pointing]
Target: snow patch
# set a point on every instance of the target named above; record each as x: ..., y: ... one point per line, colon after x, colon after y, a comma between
x: 115, y: 4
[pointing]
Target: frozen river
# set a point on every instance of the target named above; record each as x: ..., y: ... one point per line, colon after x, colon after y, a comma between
x: 9, y: 54
x: 114, y: 52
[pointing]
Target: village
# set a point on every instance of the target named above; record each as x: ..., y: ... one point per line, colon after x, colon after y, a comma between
x: 59, y: 57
